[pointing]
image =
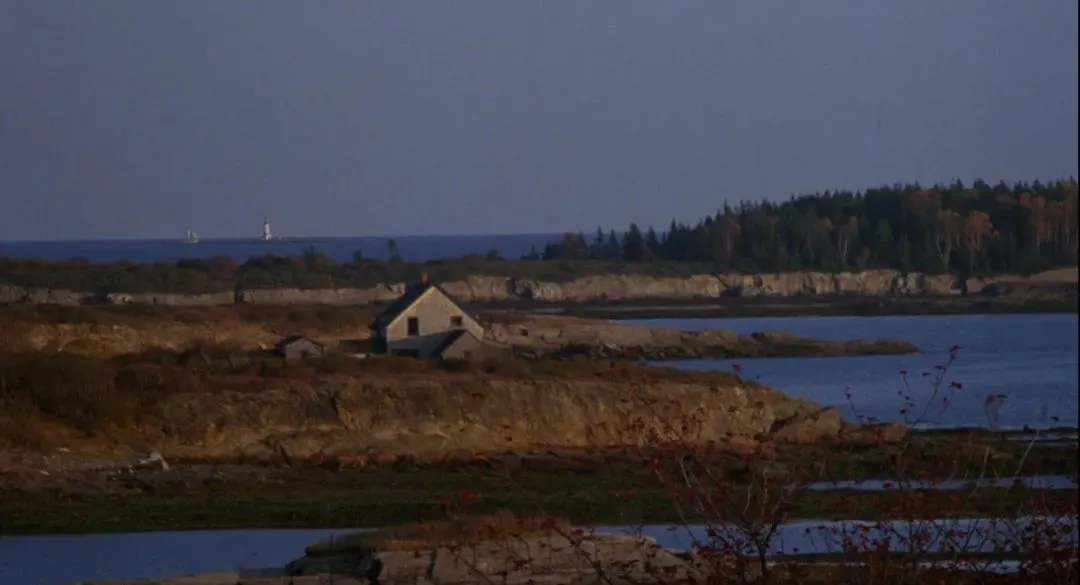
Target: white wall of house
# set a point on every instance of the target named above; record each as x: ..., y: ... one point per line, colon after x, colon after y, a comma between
x: 434, y: 313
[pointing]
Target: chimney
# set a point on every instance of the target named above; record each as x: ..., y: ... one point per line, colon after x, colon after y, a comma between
x: 423, y: 277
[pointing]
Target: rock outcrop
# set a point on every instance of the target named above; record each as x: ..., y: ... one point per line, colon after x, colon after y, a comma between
x: 434, y: 417
x: 610, y: 287
x: 536, y: 334
x: 560, y: 337
x: 552, y: 554
x: 557, y: 556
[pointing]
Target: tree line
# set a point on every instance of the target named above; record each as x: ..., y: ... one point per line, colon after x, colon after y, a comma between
x: 954, y: 228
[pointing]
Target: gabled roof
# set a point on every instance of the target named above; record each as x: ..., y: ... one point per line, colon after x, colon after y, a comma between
x: 412, y: 294
x: 295, y: 338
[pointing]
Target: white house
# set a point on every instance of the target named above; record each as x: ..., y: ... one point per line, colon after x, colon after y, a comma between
x: 426, y: 322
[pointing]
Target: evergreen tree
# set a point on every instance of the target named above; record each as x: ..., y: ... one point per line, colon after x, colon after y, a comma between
x: 937, y: 229
x: 634, y: 245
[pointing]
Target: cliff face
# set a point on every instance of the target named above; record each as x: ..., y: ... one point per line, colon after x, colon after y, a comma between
x: 439, y: 416
x: 586, y: 288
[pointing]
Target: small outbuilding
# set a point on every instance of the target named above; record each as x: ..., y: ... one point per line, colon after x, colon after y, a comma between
x: 298, y: 347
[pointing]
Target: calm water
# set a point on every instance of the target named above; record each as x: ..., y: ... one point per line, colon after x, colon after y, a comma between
x: 54, y: 560
x: 417, y: 248
x: 1029, y: 359
x: 57, y: 560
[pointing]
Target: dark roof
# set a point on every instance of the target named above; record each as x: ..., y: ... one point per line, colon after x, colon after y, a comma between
x: 412, y: 293
x: 449, y: 340
x: 391, y: 312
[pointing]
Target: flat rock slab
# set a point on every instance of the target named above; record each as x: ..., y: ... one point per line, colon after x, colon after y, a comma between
x: 547, y: 560
x: 553, y: 560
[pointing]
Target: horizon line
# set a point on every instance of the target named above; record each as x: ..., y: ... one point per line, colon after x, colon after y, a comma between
x: 282, y: 239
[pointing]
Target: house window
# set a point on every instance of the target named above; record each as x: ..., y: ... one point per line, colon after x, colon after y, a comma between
x: 456, y: 321
x: 414, y: 326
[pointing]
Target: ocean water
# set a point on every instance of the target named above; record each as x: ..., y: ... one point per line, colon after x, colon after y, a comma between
x: 1012, y: 370
x: 413, y: 248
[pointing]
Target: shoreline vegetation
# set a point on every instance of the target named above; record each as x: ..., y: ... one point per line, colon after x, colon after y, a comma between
x: 247, y: 333
x: 1057, y: 298
x: 254, y: 440
x: 892, y: 250
x: 587, y: 486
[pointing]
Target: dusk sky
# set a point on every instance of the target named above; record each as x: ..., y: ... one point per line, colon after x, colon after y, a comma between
x: 140, y: 119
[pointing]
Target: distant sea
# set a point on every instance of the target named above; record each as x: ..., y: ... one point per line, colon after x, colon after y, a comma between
x: 413, y: 248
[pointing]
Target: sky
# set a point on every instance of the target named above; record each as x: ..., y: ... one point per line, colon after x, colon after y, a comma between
x: 136, y: 119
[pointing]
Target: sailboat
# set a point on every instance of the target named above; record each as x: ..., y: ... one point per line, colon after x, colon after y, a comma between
x: 192, y: 238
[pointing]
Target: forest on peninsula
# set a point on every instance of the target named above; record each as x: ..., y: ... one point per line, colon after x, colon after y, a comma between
x: 970, y: 230
x: 977, y: 229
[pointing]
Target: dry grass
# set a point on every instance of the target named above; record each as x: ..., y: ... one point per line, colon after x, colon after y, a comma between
x: 330, y: 317
x: 461, y: 531
x: 1056, y: 276
x: 106, y: 331
x: 95, y: 397
x: 1061, y: 275
x: 86, y: 394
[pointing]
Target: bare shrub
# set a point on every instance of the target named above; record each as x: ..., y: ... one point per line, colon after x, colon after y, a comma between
x: 71, y: 388
x: 916, y: 531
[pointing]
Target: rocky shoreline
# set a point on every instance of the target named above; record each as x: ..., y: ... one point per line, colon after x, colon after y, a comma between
x: 501, y: 548
x: 596, y: 288
x: 506, y: 548
x: 521, y: 550
x: 382, y: 418
x: 107, y: 332
x: 559, y: 337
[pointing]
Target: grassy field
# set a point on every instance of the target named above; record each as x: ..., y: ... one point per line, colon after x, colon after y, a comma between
x: 589, y: 488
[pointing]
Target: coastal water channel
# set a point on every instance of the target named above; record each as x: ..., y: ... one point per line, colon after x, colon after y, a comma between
x: 1030, y: 359
x: 1013, y: 370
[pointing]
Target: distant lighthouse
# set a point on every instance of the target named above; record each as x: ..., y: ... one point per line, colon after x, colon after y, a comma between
x: 266, y: 230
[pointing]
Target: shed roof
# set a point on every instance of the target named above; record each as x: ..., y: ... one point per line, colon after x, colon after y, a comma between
x: 451, y: 338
